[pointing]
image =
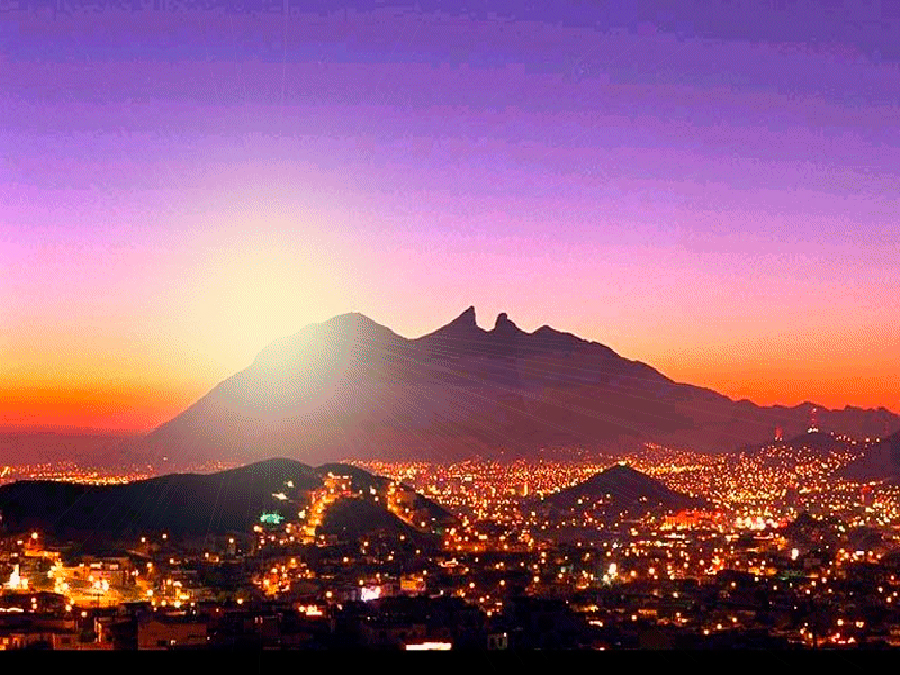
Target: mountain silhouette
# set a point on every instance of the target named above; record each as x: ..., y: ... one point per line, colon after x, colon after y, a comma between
x: 880, y: 462
x: 622, y: 486
x: 352, y: 388
x: 192, y: 505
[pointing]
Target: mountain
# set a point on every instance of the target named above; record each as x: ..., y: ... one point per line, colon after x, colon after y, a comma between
x: 621, y: 486
x: 880, y: 462
x: 817, y: 441
x: 351, y: 388
x: 186, y: 504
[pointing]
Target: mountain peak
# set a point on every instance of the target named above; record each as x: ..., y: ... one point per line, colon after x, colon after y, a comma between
x: 350, y: 320
x: 626, y: 486
x: 504, y: 326
x: 465, y: 321
x: 292, y: 352
x: 463, y: 326
x: 550, y: 337
x: 357, y: 326
x: 467, y: 317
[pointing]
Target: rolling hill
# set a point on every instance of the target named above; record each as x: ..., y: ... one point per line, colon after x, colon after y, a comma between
x: 183, y: 505
x: 880, y: 462
x: 620, y: 486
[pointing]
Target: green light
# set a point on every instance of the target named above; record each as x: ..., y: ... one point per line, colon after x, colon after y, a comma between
x: 271, y: 518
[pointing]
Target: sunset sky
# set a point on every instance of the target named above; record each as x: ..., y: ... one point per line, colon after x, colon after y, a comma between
x: 711, y: 188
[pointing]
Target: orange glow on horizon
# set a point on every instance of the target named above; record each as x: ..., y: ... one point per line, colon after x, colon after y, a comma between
x: 138, y: 408
x: 107, y: 407
x: 111, y: 380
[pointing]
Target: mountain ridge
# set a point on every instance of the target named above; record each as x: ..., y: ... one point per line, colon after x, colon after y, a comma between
x: 350, y: 387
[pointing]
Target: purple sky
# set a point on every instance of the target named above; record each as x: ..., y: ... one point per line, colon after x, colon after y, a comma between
x: 708, y: 187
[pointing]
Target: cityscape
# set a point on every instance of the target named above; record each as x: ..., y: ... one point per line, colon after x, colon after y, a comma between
x: 784, y: 554
x: 242, y: 408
